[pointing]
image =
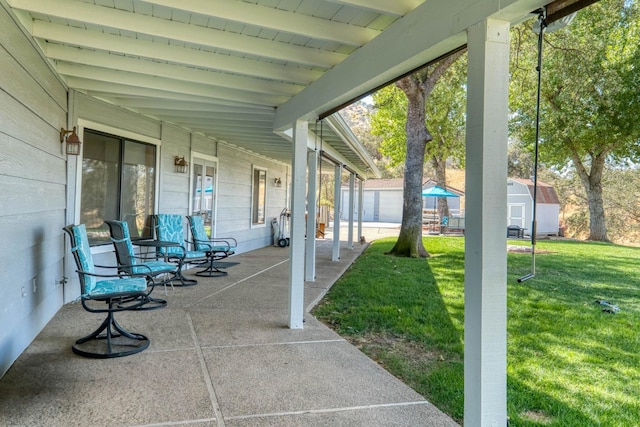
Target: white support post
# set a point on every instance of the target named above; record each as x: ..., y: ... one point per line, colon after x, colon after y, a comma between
x: 335, y: 254
x: 296, y: 257
x: 485, y: 295
x: 312, y: 205
x: 70, y: 290
x: 352, y: 183
x: 360, y: 203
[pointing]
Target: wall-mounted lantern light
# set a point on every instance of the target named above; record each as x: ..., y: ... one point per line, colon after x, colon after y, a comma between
x: 73, y: 142
x: 181, y: 164
x: 277, y: 182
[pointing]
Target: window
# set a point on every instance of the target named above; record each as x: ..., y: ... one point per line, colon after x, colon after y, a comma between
x: 258, y: 200
x: 118, y: 182
x: 204, y: 190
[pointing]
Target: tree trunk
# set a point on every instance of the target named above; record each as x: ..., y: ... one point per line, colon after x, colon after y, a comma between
x: 417, y: 88
x: 409, y: 243
x: 440, y: 166
x: 592, y: 183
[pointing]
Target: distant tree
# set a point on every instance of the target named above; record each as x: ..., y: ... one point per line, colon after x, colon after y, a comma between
x: 620, y: 184
x: 358, y: 117
x: 401, y: 116
x: 519, y: 161
x: 590, y: 112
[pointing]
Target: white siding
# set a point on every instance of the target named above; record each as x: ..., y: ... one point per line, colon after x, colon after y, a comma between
x: 377, y: 205
x: 33, y: 107
x: 390, y: 206
x: 548, y: 218
x: 33, y: 178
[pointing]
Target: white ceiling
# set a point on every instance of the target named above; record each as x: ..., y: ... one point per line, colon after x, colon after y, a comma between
x: 223, y: 67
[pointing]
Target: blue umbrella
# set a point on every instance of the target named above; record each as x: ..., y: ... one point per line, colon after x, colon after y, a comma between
x: 436, y: 191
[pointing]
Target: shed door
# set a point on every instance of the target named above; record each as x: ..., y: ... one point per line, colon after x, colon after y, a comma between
x: 516, y: 214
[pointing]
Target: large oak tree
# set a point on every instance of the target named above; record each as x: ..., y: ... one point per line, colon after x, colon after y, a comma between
x: 413, y: 102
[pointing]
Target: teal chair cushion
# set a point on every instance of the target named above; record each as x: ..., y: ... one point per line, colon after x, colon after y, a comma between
x: 85, y: 261
x: 169, y: 229
x: 140, y: 267
x: 201, y: 240
x: 93, y: 287
x: 111, y: 286
x: 199, y: 233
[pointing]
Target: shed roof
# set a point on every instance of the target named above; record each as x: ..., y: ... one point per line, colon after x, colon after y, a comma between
x: 546, y: 192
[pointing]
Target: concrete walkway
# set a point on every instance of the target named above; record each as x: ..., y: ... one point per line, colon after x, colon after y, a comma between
x: 220, y: 355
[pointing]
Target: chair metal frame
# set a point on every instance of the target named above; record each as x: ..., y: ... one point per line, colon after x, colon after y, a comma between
x: 130, y: 263
x: 169, y: 227
x: 120, y: 292
x: 216, y: 248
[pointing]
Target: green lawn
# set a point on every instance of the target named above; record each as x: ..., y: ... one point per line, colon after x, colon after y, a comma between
x: 569, y: 363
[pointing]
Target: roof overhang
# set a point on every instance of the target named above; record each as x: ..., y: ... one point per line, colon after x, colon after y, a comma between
x: 244, y: 72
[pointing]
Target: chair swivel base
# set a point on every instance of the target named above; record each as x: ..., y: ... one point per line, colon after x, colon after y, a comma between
x: 180, y: 280
x: 152, y: 304
x: 110, y: 340
x: 149, y: 303
x: 211, y: 271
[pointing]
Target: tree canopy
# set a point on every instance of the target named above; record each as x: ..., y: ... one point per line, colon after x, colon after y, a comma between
x: 445, y: 114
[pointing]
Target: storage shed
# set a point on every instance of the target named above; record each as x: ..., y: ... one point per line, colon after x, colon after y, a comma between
x: 382, y: 200
x: 520, y: 206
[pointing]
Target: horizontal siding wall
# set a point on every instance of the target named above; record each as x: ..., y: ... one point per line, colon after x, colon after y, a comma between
x: 234, y: 172
x: 33, y: 108
x: 234, y: 196
x: 174, y: 187
x: 33, y: 177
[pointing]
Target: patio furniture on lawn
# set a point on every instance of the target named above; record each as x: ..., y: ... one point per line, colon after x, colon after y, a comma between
x: 120, y: 292
x: 130, y: 263
x: 515, y: 231
x: 455, y: 224
x: 216, y: 248
x: 443, y: 224
x: 168, y: 228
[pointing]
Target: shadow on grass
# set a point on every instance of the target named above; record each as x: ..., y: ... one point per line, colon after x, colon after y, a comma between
x: 569, y: 363
x: 392, y: 308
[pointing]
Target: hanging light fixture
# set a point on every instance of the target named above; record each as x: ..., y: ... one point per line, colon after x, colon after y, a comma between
x: 181, y: 164
x: 73, y: 142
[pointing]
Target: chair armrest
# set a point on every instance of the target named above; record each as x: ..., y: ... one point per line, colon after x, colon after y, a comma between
x: 120, y: 275
x: 224, y: 242
x: 160, y: 254
x: 227, y: 240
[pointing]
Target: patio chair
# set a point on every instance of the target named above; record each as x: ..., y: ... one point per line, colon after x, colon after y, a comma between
x: 216, y: 248
x: 130, y: 263
x: 119, y: 292
x: 168, y: 228
x: 444, y: 225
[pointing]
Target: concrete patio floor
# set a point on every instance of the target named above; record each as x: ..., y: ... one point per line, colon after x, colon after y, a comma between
x: 221, y: 354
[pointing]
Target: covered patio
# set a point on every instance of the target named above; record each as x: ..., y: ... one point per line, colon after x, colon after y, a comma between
x: 221, y: 354
x: 238, y: 88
